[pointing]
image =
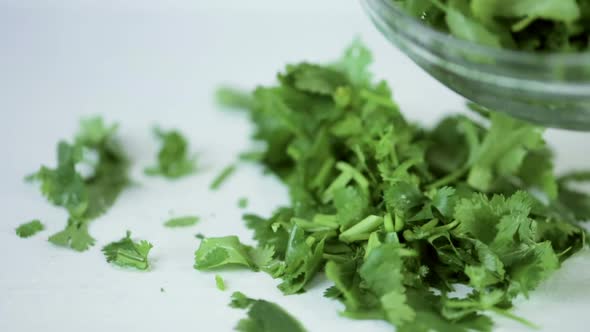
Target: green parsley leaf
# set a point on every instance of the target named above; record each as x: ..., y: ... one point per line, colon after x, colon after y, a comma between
x: 30, y: 228
x: 128, y: 253
x: 173, y: 160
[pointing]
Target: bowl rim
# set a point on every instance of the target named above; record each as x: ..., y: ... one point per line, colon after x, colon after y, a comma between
x: 387, y: 10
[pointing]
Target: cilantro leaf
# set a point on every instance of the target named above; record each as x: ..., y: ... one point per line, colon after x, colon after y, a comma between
x: 173, y: 160
x: 75, y: 236
x: 90, y: 175
x: 264, y: 316
x: 215, y: 252
x: 64, y: 186
x: 30, y: 228
x: 503, y: 150
x: 240, y: 301
x: 128, y: 253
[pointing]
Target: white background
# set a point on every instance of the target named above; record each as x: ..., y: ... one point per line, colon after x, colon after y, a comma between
x: 142, y: 63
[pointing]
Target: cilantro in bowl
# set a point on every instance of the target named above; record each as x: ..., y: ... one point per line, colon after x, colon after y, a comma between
x: 528, y: 25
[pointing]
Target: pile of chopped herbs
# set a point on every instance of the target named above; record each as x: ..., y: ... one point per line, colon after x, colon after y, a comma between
x: 529, y: 25
x: 90, y: 174
x: 398, y: 216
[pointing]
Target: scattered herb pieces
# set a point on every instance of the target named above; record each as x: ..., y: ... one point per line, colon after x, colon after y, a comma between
x: 182, y: 221
x: 173, y: 158
x: 199, y: 236
x: 90, y: 175
x: 541, y: 26
x: 162, y: 290
x: 219, y: 282
x: 398, y: 215
x: 29, y: 229
x: 128, y: 253
x: 243, y: 203
x: 222, y: 176
x: 263, y: 316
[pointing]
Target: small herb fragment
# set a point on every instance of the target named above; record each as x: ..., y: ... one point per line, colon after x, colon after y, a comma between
x: 90, y: 175
x: 29, y: 229
x: 128, y: 253
x: 173, y: 158
x: 222, y: 177
x: 219, y: 282
x: 243, y: 203
x: 264, y: 316
x: 182, y: 221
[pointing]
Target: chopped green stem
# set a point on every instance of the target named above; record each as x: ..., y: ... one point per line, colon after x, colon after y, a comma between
x: 223, y: 175
x: 512, y: 316
x: 449, y: 178
x: 362, y: 230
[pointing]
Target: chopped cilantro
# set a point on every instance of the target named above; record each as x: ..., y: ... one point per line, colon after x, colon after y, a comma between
x: 398, y: 215
x: 182, y: 221
x: 215, y: 252
x: 233, y: 98
x: 90, y: 175
x: 29, y: 229
x: 243, y: 203
x: 128, y: 253
x: 222, y: 177
x: 173, y: 158
x: 219, y: 282
x: 264, y: 316
x: 529, y: 25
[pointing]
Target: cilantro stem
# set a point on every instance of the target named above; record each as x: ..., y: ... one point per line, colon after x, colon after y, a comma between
x: 388, y: 223
x: 362, y: 230
x: 222, y: 176
x: 512, y: 316
x: 449, y: 178
x: 399, y: 223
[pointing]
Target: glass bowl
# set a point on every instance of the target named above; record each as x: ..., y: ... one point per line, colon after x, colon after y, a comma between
x: 548, y: 89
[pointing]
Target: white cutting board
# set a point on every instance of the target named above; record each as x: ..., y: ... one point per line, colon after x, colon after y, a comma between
x: 142, y: 63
